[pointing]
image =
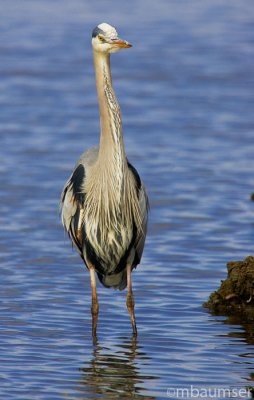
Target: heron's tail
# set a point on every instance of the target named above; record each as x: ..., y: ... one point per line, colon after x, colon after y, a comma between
x: 117, y: 281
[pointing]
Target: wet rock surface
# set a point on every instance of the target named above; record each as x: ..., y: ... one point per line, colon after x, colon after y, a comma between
x: 236, y: 293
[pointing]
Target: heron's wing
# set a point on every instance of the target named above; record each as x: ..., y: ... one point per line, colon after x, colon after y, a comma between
x: 141, y: 231
x: 144, y: 207
x: 73, y: 199
x: 72, y: 203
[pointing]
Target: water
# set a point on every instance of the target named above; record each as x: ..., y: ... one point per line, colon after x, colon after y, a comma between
x: 186, y: 90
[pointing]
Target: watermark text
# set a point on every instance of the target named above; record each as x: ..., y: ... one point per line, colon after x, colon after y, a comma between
x: 213, y: 392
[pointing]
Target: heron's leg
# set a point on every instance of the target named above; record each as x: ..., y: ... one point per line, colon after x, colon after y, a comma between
x: 130, y: 301
x: 95, y: 304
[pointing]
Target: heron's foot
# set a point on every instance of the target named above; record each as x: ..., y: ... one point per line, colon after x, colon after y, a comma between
x: 130, y: 303
x: 95, y: 313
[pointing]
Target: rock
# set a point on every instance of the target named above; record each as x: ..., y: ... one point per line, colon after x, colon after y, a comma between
x: 236, y: 293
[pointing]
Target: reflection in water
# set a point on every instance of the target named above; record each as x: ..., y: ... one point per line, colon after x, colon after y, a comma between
x: 248, y: 335
x: 112, y: 374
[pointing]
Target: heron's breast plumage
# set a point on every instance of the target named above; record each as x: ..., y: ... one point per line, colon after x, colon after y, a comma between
x: 109, y: 236
x: 105, y: 215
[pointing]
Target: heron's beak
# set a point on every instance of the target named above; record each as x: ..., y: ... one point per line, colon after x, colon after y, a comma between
x: 121, y: 44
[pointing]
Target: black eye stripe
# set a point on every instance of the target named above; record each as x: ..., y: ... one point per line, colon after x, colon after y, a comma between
x: 97, y: 31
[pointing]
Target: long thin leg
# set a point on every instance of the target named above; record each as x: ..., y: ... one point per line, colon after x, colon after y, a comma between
x: 130, y: 301
x: 95, y: 304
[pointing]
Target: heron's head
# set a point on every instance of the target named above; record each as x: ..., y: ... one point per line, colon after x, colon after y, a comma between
x: 105, y: 39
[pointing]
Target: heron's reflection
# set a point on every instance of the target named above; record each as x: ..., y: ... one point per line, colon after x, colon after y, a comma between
x: 116, y: 374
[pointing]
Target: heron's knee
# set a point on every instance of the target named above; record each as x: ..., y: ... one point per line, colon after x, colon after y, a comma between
x: 130, y: 303
x: 95, y: 307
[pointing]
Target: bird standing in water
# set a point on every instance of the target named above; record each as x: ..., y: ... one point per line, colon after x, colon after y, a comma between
x: 104, y: 203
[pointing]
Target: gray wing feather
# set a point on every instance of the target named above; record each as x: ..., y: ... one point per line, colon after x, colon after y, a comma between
x: 67, y: 205
x: 73, y: 195
x: 144, y: 207
x: 141, y: 233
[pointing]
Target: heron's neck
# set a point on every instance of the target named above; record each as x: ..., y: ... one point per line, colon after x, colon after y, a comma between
x: 111, y: 139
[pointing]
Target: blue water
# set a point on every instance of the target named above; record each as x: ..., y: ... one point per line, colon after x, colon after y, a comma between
x: 186, y: 90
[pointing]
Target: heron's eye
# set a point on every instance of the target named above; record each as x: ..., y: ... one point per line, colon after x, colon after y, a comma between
x: 101, y: 38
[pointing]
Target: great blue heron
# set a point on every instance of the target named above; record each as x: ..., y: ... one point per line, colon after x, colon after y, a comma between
x: 104, y: 203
